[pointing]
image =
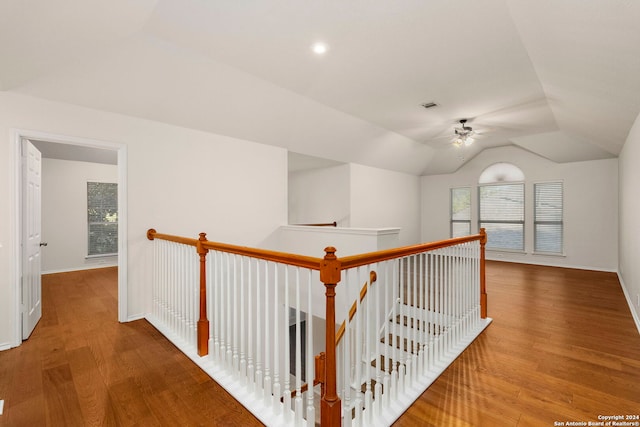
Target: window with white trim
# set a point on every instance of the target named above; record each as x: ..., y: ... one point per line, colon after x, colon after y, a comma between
x: 547, y: 216
x: 102, y: 218
x: 460, y: 212
x: 501, y: 214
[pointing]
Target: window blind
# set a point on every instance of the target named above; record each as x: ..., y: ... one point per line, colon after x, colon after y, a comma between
x: 102, y: 215
x: 502, y: 215
x: 460, y: 212
x: 548, y: 213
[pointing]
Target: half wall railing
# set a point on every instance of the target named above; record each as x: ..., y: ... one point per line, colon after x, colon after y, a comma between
x: 261, y: 324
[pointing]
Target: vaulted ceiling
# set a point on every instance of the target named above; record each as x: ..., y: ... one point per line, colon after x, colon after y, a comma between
x: 560, y: 78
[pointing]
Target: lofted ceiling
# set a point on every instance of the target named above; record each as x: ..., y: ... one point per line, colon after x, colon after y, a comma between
x: 560, y: 78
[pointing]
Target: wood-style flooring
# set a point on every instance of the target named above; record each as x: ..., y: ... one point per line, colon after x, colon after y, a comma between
x: 562, y: 348
x: 80, y: 367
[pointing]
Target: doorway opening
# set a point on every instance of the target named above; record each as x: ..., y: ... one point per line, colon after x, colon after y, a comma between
x: 78, y: 150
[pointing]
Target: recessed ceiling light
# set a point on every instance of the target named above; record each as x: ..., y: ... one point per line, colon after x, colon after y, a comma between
x: 319, y: 48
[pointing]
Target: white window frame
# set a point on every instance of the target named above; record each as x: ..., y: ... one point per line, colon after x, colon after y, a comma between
x: 89, y: 223
x: 482, y: 221
x: 537, y: 222
x: 453, y: 221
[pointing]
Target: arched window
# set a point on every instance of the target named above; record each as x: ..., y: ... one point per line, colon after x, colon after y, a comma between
x: 501, y: 172
x: 501, y: 198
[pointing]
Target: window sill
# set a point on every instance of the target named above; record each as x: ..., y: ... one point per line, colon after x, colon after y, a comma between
x: 507, y: 251
x: 551, y: 254
x: 100, y: 256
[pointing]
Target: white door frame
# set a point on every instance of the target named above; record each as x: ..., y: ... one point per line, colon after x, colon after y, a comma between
x: 18, y: 135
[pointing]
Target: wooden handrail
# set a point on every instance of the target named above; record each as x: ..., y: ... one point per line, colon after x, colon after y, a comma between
x: 321, y: 224
x: 153, y: 234
x: 354, y: 307
x: 385, y: 255
x: 311, y: 263
x: 275, y: 256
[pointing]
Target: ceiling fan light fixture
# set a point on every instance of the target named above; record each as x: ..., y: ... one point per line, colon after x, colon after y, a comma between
x: 463, y: 134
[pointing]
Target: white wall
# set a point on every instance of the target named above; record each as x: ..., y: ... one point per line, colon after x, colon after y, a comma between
x: 629, y: 268
x: 590, y: 206
x: 180, y: 181
x: 320, y: 195
x: 357, y: 196
x: 64, y: 213
x: 382, y: 198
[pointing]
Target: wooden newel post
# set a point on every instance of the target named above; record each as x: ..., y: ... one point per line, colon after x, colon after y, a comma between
x: 330, y: 405
x: 483, y: 280
x: 203, y: 322
x: 151, y: 234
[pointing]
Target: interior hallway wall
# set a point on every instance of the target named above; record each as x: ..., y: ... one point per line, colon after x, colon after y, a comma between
x: 64, y: 214
x: 629, y: 268
x: 180, y: 181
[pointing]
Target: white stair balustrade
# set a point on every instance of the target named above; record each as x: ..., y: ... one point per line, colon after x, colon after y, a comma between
x: 419, y: 315
x: 248, y: 318
x: 262, y: 335
x: 175, y: 292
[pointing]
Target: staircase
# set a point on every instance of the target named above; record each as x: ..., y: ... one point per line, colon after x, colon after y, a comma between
x: 413, y: 347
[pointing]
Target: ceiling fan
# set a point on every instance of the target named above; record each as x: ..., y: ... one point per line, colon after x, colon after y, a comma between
x: 464, y: 134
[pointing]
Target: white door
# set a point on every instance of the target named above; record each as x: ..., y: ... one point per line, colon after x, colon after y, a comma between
x: 31, y: 238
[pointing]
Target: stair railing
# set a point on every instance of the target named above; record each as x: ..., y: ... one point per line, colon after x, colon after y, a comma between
x: 428, y: 304
x: 246, y: 316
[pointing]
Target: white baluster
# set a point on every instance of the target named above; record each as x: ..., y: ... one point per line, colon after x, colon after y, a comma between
x: 224, y: 305
x: 388, y: 306
x: 217, y: 279
x: 235, y: 314
x: 229, y: 314
x: 277, y: 310
x: 249, y: 325
x: 211, y: 308
x: 369, y: 328
x: 243, y: 326
x: 358, y: 349
x: 374, y: 338
x: 267, y: 340
x: 287, y: 345
x: 298, y: 352
x: 259, y: 328
x: 310, y: 356
x: 346, y: 348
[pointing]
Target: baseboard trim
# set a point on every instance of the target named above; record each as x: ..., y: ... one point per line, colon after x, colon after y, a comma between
x: 135, y: 317
x: 550, y: 264
x: 5, y: 346
x: 634, y: 312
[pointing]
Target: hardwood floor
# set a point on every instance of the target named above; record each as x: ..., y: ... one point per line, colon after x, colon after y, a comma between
x: 562, y: 347
x: 81, y: 367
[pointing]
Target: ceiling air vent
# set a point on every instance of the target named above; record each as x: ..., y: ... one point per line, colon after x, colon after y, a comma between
x: 429, y: 104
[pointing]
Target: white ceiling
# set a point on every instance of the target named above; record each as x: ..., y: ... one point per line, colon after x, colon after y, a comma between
x: 560, y: 78
x: 79, y: 153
